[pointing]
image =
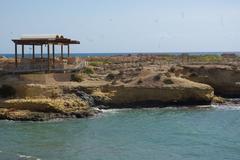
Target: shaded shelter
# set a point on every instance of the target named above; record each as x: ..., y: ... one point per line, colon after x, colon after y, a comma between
x: 41, y: 40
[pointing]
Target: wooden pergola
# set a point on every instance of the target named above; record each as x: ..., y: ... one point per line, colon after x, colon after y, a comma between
x: 42, y: 40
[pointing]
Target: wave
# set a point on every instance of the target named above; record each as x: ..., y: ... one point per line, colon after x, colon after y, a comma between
x: 230, y: 104
x: 24, y: 156
x: 227, y: 106
x: 10, y: 155
x: 27, y: 157
x: 115, y: 110
x: 153, y: 108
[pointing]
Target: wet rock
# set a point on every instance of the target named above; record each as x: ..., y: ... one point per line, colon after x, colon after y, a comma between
x: 26, y: 115
x: 85, y: 97
x: 218, y: 100
x: 103, y: 107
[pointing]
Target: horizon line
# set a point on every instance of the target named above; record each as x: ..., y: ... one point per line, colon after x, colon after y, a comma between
x: 144, y: 52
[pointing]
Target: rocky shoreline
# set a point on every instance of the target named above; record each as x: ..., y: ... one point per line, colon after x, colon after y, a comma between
x: 45, y: 96
x: 41, y: 109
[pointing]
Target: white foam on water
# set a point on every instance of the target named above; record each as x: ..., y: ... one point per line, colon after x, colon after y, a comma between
x: 204, y: 106
x: 27, y: 157
x: 56, y: 120
x: 114, y: 110
x: 108, y: 110
x: 226, y: 107
x: 24, y: 156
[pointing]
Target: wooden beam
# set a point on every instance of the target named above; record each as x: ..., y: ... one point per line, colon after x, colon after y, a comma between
x: 41, y: 51
x: 22, y: 51
x: 68, y: 50
x: 53, y: 51
x: 37, y: 41
x: 48, y: 50
x: 33, y: 52
x: 62, y: 52
x: 16, y: 61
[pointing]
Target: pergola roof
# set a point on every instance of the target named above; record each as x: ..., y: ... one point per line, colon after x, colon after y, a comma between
x: 44, y: 39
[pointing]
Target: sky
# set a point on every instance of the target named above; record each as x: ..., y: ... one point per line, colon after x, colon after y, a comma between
x: 116, y: 26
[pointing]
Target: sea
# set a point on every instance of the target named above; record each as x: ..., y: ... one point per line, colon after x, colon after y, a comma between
x: 11, y: 55
x: 210, y: 133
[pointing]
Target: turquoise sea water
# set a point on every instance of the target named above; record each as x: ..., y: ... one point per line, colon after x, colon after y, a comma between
x: 141, y: 134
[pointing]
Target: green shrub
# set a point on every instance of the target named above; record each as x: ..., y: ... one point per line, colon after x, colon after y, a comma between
x: 95, y: 63
x: 168, y: 81
x: 88, y: 70
x: 76, y: 78
x: 98, y: 63
x: 209, y: 58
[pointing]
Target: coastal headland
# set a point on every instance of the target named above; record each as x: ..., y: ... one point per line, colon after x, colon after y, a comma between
x: 129, y: 81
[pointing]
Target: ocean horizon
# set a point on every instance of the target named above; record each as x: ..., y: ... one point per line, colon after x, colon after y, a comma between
x: 99, y: 54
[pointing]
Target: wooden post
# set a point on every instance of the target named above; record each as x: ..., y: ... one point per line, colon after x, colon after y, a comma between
x: 53, y: 51
x: 48, y: 50
x: 16, y: 62
x: 68, y: 50
x: 41, y: 51
x: 62, y: 52
x: 22, y: 51
x: 33, y: 52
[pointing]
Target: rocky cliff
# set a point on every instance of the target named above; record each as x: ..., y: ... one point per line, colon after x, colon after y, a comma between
x: 154, y: 91
x: 41, y: 100
x: 32, y: 97
x: 224, y: 79
x: 39, y: 109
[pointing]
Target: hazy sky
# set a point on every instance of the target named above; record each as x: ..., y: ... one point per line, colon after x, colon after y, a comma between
x: 126, y: 25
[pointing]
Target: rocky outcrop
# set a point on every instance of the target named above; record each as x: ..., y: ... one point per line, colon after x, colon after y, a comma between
x: 32, y: 85
x: 39, y: 109
x: 34, y: 98
x: 154, y: 91
x: 37, y: 101
x: 224, y: 79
